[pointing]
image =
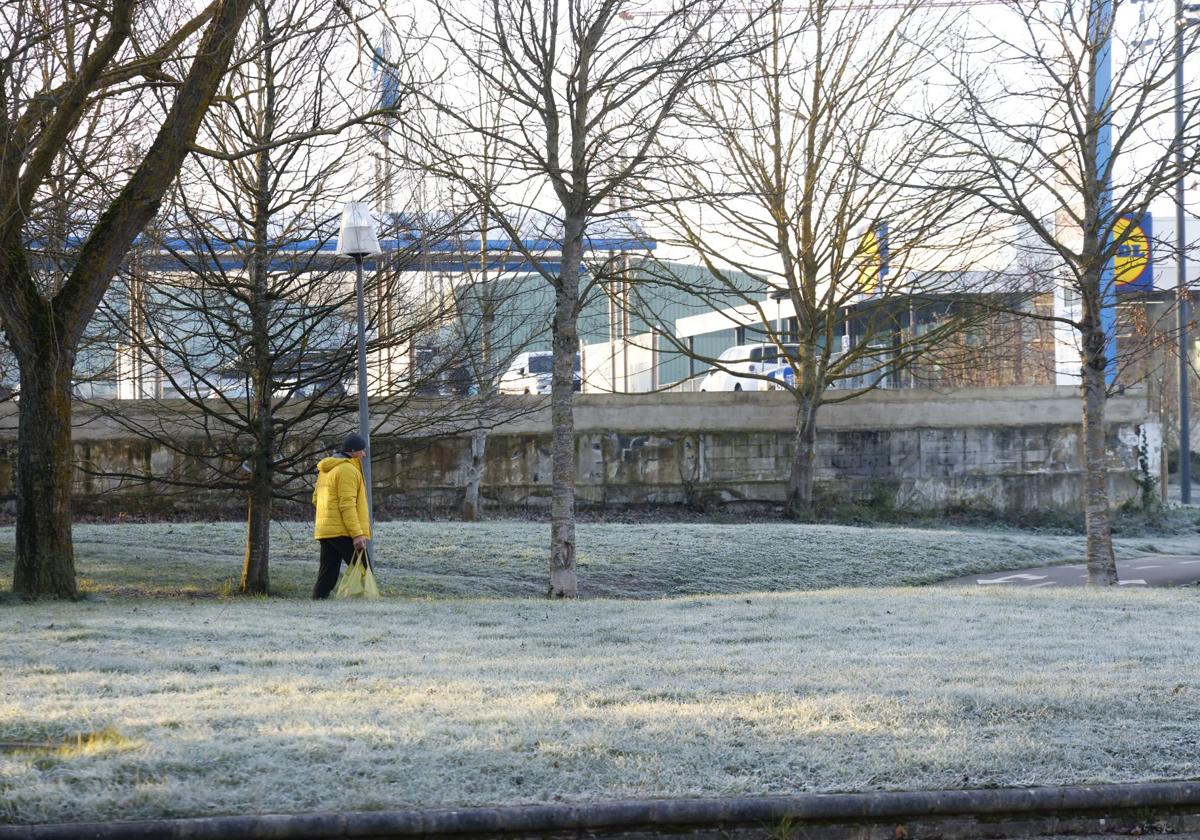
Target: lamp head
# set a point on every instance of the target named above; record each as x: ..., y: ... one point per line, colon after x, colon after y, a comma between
x: 357, y: 237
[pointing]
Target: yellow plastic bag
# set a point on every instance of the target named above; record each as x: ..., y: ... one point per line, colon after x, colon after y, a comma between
x: 357, y: 580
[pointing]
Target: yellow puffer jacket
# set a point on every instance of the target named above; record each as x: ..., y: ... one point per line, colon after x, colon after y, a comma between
x: 341, y: 499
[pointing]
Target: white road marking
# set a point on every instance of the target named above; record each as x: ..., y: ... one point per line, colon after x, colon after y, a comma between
x: 1010, y: 578
x: 1077, y: 566
x: 1147, y: 567
x: 1187, y: 562
x: 1045, y: 583
x: 1137, y: 582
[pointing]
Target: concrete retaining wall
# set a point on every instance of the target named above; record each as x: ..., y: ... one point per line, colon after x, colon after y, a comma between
x: 1014, y: 450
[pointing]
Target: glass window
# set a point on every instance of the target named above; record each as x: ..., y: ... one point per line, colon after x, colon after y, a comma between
x: 545, y: 363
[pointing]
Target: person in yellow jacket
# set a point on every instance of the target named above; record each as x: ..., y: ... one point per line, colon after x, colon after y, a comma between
x: 343, y: 522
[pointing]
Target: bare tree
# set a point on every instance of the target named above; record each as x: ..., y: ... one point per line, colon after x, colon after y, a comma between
x: 498, y: 320
x: 1030, y: 131
x: 794, y: 195
x: 270, y: 198
x: 248, y: 405
x: 240, y: 310
x: 73, y: 82
x: 492, y: 291
x: 582, y: 92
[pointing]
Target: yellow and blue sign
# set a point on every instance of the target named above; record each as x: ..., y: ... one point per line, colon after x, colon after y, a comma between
x: 873, y: 259
x: 1133, y: 264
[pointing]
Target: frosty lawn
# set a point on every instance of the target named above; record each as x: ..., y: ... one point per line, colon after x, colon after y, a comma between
x: 501, y: 559
x: 454, y: 692
x: 251, y: 706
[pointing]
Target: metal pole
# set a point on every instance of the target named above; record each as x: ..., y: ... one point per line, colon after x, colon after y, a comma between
x: 1101, y: 91
x: 912, y: 341
x: 1185, y: 443
x: 625, y: 325
x: 364, y: 422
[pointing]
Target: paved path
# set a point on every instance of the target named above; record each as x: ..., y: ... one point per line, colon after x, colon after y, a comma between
x: 1147, y: 570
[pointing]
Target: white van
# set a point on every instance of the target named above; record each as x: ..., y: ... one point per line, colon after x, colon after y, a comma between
x: 530, y: 373
x: 758, y: 359
x: 868, y: 371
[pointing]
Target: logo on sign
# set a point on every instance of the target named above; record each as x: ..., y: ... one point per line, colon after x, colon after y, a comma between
x: 1133, y: 267
x: 873, y: 259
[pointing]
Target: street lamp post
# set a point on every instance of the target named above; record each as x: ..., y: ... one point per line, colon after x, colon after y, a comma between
x: 779, y: 296
x: 1100, y: 32
x: 1185, y: 432
x: 357, y: 239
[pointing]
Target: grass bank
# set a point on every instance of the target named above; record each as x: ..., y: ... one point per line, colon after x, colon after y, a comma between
x: 175, y: 708
x: 508, y: 559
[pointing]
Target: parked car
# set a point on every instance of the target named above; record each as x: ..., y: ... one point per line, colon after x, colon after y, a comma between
x: 864, y: 372
x: 453, y: 381
x: 296, y: 389
x: 530, y: 373
x: 734, y: 363
x: 227, y: 387
x: 782, y: 377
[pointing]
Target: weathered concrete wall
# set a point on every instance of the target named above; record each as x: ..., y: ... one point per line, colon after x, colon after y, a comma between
x: 1013, y: 450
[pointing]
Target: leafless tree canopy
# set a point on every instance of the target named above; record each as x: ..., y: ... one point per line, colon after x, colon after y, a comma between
x: 570, y: 100
x: 1027, y: 131
x: 796, y: 191
x: 235, y: 323
x: 86, y: 154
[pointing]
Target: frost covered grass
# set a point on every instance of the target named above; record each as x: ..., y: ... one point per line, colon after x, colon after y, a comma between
x: 173, y: 708
x: 508, y: 559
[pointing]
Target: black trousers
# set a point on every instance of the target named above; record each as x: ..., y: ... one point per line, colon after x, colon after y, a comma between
x: 334, y: 552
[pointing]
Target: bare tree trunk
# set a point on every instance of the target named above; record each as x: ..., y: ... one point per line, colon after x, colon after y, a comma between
x: 1101, y: 564
x: 799, y: 502
x: 471, y: 511
x: 563, y: 581
x: 470, y: 507
x: 256, y: 578
x: 45, y: 560
x: 256, y: 575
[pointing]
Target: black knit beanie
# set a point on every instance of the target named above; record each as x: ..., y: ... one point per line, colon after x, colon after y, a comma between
x: 353, y: 442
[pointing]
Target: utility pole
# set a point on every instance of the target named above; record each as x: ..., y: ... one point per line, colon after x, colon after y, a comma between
x: 1101, y: 25
x: 1182, y: 22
